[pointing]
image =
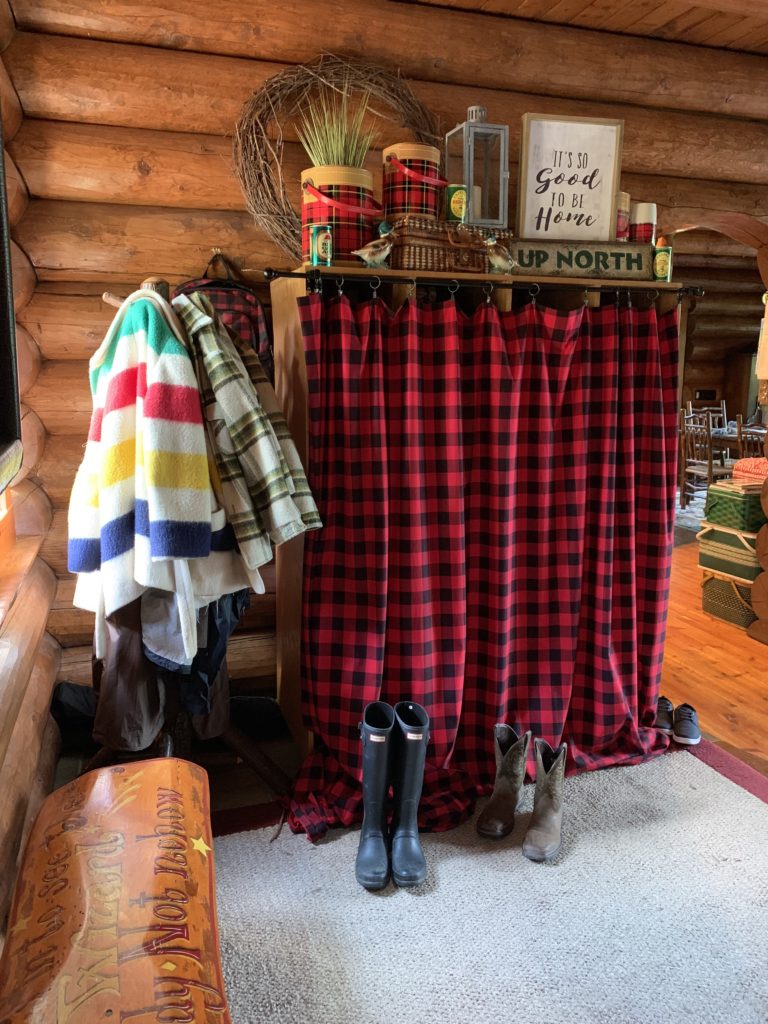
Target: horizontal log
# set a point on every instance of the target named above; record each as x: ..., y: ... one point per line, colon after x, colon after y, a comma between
x: 716, y: 282
x: 102, y: 163
x: 20, y: 637
x: 697, y: 191
x: 61, y: 397
x: 688, y: 263
x: 16, y: 190
x: 95, y: 82
x: 71, y: 626
x: 76, y: 665
x: 100, y: 242
x: 708, y: 349
x: 624, y: 14
x: 23, y: 276
x: 699, y: 374
x: 33, y: 438
x: 706, y: 325
x: 474, y: 50
x: 21, y: 761
x: 715, y: 303
x: 54, y: 549
x: 32, y: 509
x: 28, y: 359
x: 7, y: 25
x: 56, y: 471
x: 10, y: 105
x: 65, y: 326
x: 249, y: 656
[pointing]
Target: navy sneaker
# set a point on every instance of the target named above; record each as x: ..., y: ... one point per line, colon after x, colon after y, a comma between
x: 664, y: 711
x: 686, y: 726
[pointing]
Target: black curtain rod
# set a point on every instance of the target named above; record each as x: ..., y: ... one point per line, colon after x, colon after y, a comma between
x: 314, y: 280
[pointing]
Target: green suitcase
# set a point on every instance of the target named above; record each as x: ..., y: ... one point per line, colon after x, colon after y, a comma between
x: 729, y: 506
x: 728, y: 551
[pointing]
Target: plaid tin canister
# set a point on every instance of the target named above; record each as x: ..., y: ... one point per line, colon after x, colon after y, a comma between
x: 341, y: 197
x: 412, y: 182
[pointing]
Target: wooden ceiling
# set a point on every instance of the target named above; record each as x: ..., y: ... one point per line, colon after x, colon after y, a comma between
x: 731, y: 24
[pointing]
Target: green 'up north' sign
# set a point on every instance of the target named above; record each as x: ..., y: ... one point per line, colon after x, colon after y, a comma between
x: 583, y: 259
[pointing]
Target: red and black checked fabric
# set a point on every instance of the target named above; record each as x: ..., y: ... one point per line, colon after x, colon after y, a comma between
x: 241, y: 311
x: 349, y: 231
x: 498, y: 496
x: 404, y: 195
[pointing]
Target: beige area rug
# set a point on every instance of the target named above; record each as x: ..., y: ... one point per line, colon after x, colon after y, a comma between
x: 655, y: 911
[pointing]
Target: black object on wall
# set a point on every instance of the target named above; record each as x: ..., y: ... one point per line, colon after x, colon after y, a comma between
x: 10, y: 420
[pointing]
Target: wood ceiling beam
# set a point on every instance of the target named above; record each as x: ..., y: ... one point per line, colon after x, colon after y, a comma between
x: 482, y: 52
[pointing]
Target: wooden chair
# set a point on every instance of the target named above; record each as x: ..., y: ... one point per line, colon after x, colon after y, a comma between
x: 751, y: 442
x: 698, y: 467
x: 719, y: 416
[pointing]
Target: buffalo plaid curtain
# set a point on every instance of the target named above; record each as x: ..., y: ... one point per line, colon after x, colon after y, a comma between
x: 498, y: 496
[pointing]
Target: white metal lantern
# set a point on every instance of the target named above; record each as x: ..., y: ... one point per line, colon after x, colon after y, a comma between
x: 477, y: 156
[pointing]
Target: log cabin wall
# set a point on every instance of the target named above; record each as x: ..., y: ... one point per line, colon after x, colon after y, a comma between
x: 117, y: 121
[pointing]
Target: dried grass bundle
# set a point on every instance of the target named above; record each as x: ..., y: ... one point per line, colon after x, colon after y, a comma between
x: 293, y: 93
x: 331, y: 133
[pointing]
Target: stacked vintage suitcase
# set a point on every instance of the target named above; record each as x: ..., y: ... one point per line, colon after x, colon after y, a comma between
x: 732, y: 541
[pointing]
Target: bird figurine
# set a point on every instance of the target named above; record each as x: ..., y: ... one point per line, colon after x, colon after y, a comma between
x: 499, y: 256
x: 376, y: 253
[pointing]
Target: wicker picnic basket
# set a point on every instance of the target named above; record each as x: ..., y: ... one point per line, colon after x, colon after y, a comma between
x: 422, y: 243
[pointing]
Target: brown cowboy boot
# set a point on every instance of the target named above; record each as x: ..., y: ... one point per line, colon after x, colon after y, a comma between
x: 497, y: 818
x: 542, y: 840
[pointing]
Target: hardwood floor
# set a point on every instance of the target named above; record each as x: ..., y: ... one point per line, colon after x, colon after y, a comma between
x: 715, y: 667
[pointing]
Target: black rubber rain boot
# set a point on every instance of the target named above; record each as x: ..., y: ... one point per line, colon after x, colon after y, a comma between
x: 411, y: 735
x: 372, y: 864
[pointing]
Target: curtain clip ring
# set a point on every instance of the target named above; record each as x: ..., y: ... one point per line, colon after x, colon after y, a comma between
x: 533, y: 291
x: 655, y: 296
x: 340, y: 286
x: 453, y: 287
x: 488, y: 291
x: 412, y: 289
x: 586, y: 297
x: 629, y: 299
x: 375, y: 285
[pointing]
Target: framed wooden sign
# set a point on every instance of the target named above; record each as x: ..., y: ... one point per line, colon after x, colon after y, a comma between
x: 569, y: 177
